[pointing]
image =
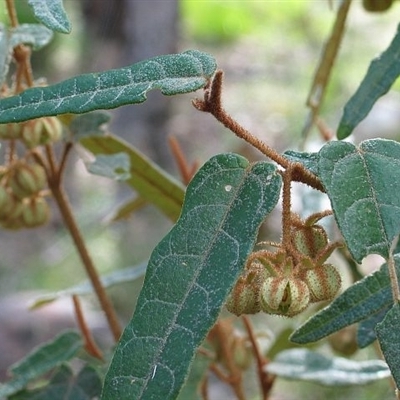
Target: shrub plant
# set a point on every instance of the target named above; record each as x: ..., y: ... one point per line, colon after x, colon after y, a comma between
x: 208, y: 259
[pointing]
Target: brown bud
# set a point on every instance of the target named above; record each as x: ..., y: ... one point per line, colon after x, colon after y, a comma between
x: 10, y: 131
x: 41, y: 131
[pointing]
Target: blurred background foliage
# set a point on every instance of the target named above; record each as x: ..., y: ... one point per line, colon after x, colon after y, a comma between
x: 269, y: 51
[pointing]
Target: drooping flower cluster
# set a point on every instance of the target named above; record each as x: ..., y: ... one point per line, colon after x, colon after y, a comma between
x: 286, y: 281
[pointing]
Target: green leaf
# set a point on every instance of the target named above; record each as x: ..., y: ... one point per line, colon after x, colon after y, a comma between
x: 197, y: 373
x: 306, y: 365
x: 172, y: 74
x: 388, y: 335
x: 190, y: 273
x: 381, y: 74
x: 115, y: 166
x: 51, y: 13
x: 126, y: 210
x: 5, y: 53
x: 114, y: 278
x: 66, y: 386
x: 363, y: 187
x: 308, y: 160
x: 41, y: 360
x: 150, y: 181
x: 366, y: 297
x: 34, y: 35
x: 89, y: 124
x: 366, y: 329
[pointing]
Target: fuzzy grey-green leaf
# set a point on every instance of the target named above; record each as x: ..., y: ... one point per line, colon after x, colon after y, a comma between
x: 363, y: 185
x: 51, y: 13
x: 189, y: 275
x: 307, y: 365
x: 172, y: 74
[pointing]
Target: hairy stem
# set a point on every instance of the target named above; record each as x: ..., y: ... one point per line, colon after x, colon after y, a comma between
x: 392, y: 273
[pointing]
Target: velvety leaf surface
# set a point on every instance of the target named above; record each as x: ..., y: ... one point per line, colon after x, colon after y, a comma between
x: 363, y: 185
x: 113, y: 278
x: 34, y: 35
x: 366, y: 333
x: 381, y: 74
x: 152, y: 183
x: 306, y: 365
x: 190, y: 274
x: 66, y: 386
x: 389, y: 340
x: 41, y: 360
x: 51, y: 13
x: 172, y: 74
x: 309, y: 160
x: 366, y: 297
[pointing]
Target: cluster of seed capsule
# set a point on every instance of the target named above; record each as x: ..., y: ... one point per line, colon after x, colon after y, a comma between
x: 287, y: 280
x: 23, y: 181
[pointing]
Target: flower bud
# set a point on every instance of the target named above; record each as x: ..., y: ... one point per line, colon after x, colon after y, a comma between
x: 41, y: 131
x: 323, y: 282
x: 12, y: 130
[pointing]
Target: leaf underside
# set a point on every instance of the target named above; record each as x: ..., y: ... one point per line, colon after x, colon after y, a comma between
x: 189, y: 275
x: 363, y: 185
x: 172, y: 74
x: 307, y: 365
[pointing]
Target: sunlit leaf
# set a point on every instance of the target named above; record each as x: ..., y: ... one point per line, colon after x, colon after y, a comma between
x: 51, y: 13
x: 41, y: 360
x: 113, y: 278
x: 366, y: 297
x: 363, y: 185
x: 190, y: 274
x: 151, y: 182
x: 172, y: 74
x: 307, y: 365
x: 381, y: 74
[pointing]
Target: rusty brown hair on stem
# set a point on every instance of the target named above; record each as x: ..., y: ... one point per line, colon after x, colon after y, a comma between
x: 212, y: 103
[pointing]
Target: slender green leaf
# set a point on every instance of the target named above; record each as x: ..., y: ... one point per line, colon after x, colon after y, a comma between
x: 189, y: 275
x: 115, y: 166
x: 51, y: 13
x: 84, y: 288
x: 381, y: 74
x: 172, y: 74
x: 363, y: 185
x: 366, y: 297
x: 151, y: 182
x: 34, y: 35
x: 5, y: 53
x: 127, y: 209
x: 41, y: 360
x: 309, y: 160
x: 366, y: 333
x: 306, y: 365
x: 66, y: 386
x: 389, y: 340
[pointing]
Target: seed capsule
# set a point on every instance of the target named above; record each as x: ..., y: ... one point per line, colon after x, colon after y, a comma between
x: 323, y: 282
x: 284, y: 296
x: 35, y: 212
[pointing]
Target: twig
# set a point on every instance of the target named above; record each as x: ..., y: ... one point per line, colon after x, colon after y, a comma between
x: 266, y: 380
x: 392, y: 272
x: 185, y: 169
x: 90, y: 345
